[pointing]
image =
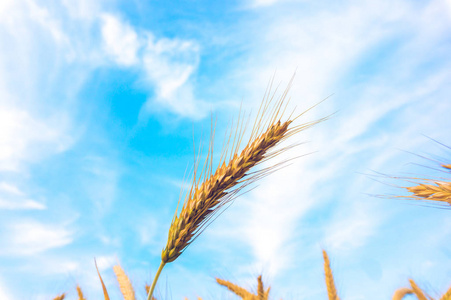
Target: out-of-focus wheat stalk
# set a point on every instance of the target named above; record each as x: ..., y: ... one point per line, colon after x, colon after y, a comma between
x: 331, y: 290
x: 60, y: 297
x: 211, y: 191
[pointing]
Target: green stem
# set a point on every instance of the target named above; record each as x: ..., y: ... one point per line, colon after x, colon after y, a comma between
x: 154, y: 283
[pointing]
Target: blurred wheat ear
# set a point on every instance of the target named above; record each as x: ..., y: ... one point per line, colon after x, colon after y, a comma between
x: 124, y: 283
x: 211, y: 191
x: 60, y: 297
x: 419, y: 294
x: 331, y: 290
x: 105, y: 292
x: 243, y: 293
x: 433, y: 191
x: 80, y: 293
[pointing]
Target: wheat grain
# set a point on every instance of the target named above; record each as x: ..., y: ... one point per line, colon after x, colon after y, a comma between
x: 331, y: 290
x: 417, y: 291
x: 401, y: 293
x: 80, y: 293
x: 124, y: 283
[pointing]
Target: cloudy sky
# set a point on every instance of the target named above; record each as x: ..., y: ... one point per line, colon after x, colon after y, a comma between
x: 100, y: 102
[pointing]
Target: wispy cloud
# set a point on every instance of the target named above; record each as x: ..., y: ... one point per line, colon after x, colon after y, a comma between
x: 25, y: 237
x: 120, y: 41
x: 166, y: 65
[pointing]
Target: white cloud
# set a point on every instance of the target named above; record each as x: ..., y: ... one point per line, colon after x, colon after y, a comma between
x: 25, y: 138
x: 11, y: 198
x: 4, y: 293
x: 120, y: 41
x: 21, y: 204
x: 352, y: 228
x: 30, y: 237
x: 167, y: 66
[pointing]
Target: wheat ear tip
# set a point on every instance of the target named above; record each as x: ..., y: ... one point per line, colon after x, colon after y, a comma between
x: 331, y: 290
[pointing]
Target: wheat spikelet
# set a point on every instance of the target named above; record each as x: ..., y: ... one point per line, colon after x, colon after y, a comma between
x: 60, y: 297
x: 447, y: 295
x: 331, y: 291
x: 447, y: 166
x: 401, y: 293
x: 417, y: 291
x: 124, y: 283
x: 80, y: 293
x: 105, y: 292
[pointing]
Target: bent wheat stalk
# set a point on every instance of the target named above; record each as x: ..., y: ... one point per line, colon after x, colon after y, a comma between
x: 211, y: 191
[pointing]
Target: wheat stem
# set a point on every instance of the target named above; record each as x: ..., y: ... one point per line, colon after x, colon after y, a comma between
x: 154, y: 283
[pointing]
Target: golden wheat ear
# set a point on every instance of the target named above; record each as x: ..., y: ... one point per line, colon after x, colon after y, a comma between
x: 105, y: 292
x: 60, y: 297
x: 261, y: 293
x: 331, y: 290
x: 417, y: 291
x: 239, y: 291
x: 447, y: 295
x: 124, y: 283
x: 80, y: 293
x: 401, y: 293
x: 212, y: 190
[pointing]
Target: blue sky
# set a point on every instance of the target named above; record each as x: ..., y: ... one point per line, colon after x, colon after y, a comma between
x: 99, y: 103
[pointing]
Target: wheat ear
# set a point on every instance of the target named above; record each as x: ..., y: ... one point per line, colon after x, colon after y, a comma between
x: 60, y: 297
x: 105, y: 292
x: 211, y: 191
x: 401, y: 293
x: 331, y: 290
x: 417, y: 291
x: 447, y: 295
x: 239, y: 291
x: 432, y: 190
x: 124, y: 283
x: 260, y: 290
x: 80, y: 293
x: 439, y: 191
